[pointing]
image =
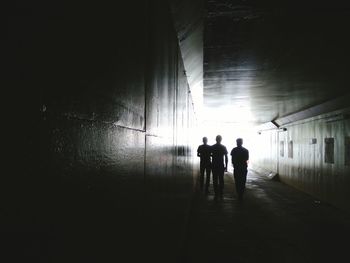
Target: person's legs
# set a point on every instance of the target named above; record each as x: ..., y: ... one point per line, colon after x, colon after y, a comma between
x: 236, y: 175
x: 221, y: 183
x: 240, y: 176
x: 207, y: 179
x: 243, y: 180
x: 215, y: 181
x: 240, y: 186
x: 201, y: 176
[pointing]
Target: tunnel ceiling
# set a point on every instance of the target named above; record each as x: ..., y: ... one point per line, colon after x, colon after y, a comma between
x: 264, y: 60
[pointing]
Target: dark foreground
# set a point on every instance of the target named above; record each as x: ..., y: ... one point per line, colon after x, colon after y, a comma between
x: 274, y: 223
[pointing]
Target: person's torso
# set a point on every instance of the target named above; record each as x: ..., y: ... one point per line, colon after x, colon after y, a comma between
x: 204, y: 151
x: 218, y: 152
x: 239, y: 157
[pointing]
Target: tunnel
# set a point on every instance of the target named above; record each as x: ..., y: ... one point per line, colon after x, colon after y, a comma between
x: 106, y: 102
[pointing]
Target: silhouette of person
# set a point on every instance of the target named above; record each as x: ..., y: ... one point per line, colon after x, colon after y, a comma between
x: 240, y: 157
x: 219, y: 166
x: 203, y: 152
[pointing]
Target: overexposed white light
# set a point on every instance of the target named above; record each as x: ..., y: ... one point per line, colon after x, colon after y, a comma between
x: 228, y: 113
x: 231, y: 123
x: 229, y: 132
x: 197, y: 99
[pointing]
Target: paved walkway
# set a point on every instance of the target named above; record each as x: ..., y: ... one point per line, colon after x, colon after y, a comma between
x: 274, y: 223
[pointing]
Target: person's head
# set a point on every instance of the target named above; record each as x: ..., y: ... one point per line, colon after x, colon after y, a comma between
x: 205, y: 140
x: 239, y: 141
x: 218, y: 139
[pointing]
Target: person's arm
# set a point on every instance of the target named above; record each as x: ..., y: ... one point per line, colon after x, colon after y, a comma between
x: 226, y: 161
x: 198, y: 153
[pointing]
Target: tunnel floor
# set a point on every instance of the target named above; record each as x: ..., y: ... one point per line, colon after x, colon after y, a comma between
x: 274, y: 223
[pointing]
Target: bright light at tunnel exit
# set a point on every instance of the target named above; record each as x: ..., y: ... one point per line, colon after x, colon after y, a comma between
x: 230, y: 121
x: 229, y: 132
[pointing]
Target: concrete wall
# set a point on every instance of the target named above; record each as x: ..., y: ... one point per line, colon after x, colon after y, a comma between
x: 264, y: 153
x: 108, y: 157
x: 304, y: 164
x: 169, y: 148
x: 188, y: 19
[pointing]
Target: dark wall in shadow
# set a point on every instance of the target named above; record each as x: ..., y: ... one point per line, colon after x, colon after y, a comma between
x: 102, y: 112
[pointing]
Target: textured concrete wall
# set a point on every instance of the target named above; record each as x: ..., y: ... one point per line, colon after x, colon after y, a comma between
x: 109, y: 166
x: 169, y: 115
x: 304, y: 163
x: 188, y: 19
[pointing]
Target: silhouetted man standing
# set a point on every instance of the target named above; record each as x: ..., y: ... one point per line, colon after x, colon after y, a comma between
x: 240, y: 157
x: 219, y: 166
x: 205, y: 164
